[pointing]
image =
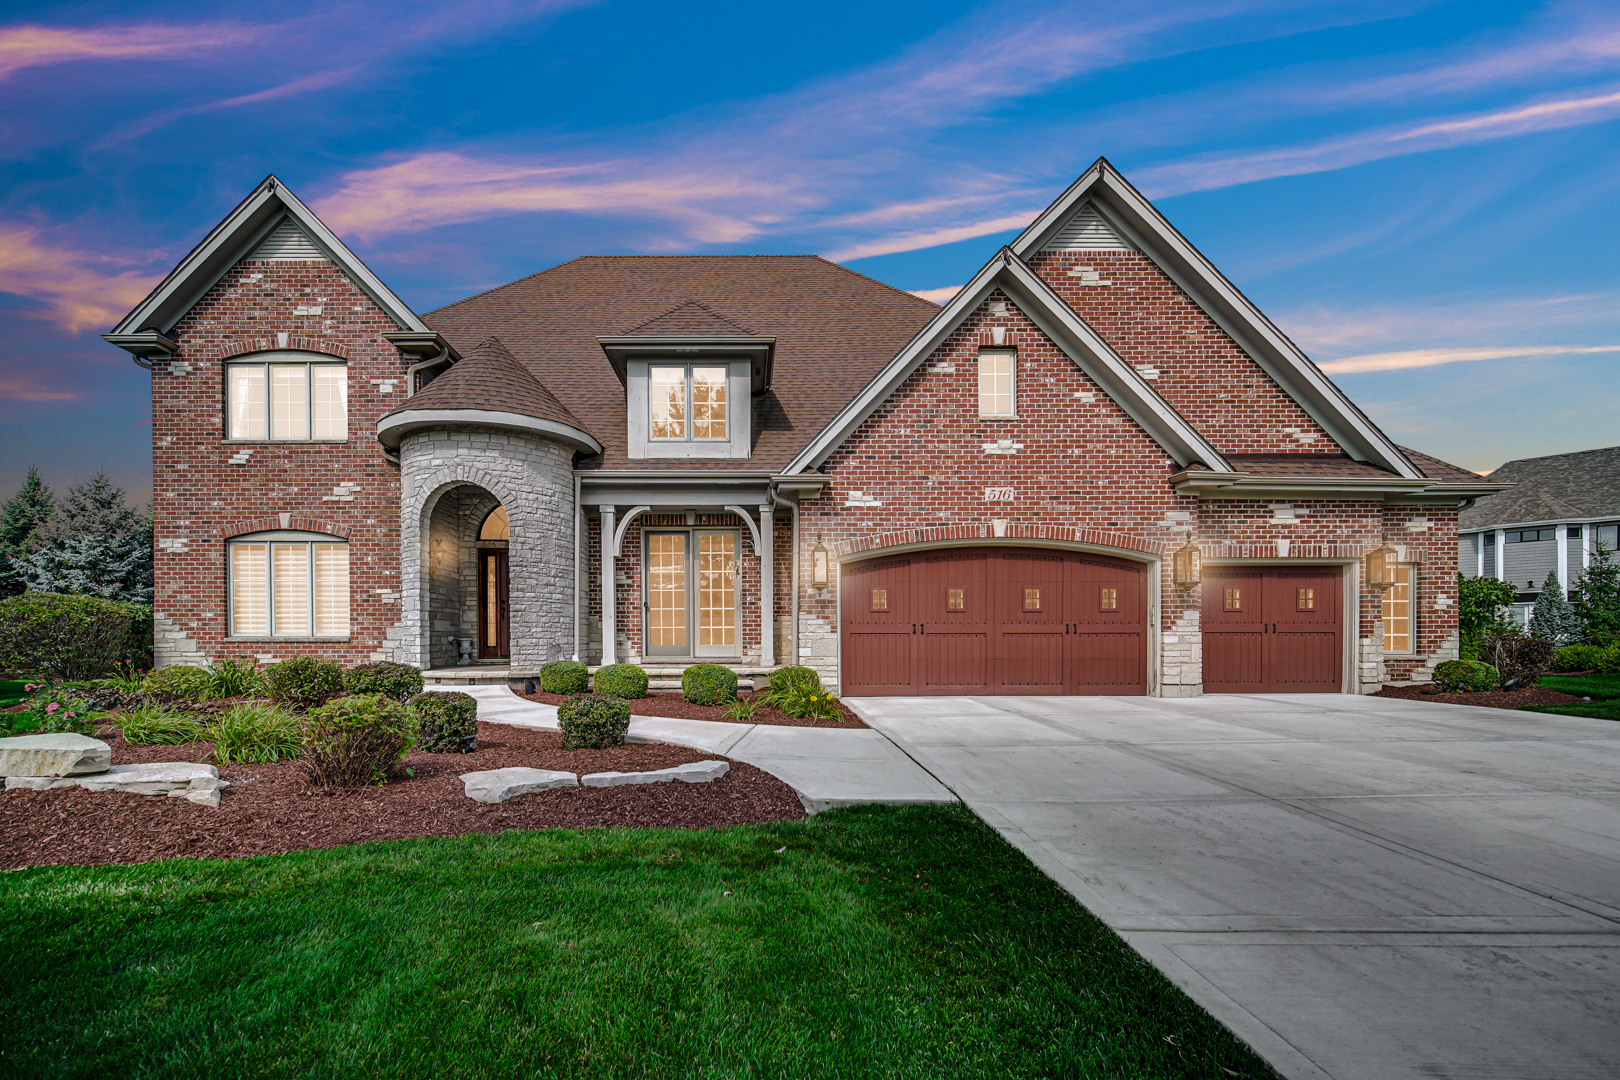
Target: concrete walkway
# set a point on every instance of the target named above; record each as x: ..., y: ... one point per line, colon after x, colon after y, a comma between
x: 827, y: 766
x: 1359, y: 887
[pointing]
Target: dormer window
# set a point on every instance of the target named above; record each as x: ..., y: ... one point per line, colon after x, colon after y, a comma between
x: 688, y: 403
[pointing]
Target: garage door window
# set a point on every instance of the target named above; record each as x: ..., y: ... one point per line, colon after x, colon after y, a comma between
x: 1234, y: 599
x: 880, y: 599
x: 1108, y: 600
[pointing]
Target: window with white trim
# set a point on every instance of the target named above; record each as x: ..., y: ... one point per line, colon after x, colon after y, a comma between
x: 288, y: 585
x: 998, y: 379
x: 687, y: 403
x: 302, y: 400
x: 1400, y: 609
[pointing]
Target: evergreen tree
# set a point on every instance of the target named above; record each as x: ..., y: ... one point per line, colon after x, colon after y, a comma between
x: 21, y: 520
x: 95, y: 546
x: 1598, y: 606
x: 1553, y: 619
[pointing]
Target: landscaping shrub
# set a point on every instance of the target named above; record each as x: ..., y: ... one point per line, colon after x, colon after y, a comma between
x: 1598, y: 605
x: 232, y: 678
x: 179, y: 683
x: 799, y: 700
x: 446, y: 721
x: 789, y: 677
x: 304, y: 682
x: 1552, y: 619
x: 54, y: 708
x: 1603, y: 659
x: 1518, y: 658
x: 621, y: 681
x: 156, y: 725
x: 593, y: 722
x: 252, y: 732
x: 399, y: 681
x: 65, y: 637
x: 355, y: 741
x: 709, y: 684
x: 744, y: 708
x: 129, y: 677
x: 1482, y: 605
x: 1465, y: 677
x: 565, y: 677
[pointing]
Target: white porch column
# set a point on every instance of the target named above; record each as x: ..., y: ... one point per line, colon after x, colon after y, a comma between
x: 609, y: 589
x: 767, y: 587
x: 1501, y: 555
x: 1561, y: 534
x: 1479, y: 554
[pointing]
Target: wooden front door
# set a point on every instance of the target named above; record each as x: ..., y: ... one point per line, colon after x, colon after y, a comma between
x: 994, y: 621
x: 1273, y: 629
x: 494, y: 606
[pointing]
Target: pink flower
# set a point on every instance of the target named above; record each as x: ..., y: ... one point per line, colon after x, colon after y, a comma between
x: 70, y: 716
x: 52, y: 707
x: 29, y: 687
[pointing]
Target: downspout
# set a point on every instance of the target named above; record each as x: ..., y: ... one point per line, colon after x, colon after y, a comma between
x: 793, y: 627
x: 410, y: 372
x: 579, y: 531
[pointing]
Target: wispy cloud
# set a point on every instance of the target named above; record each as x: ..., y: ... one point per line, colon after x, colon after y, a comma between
x: 1486, y: 322
x: 1421, y: 358
x: 1207, y: 172
x: 928, y: 238
x: 30, y: 45
x: 79, y: 290
x: 937, y: 296
x: 30, y: 386
x: 320, y: 80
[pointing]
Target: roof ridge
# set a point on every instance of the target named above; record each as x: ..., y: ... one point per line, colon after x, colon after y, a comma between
x: 690, y: 302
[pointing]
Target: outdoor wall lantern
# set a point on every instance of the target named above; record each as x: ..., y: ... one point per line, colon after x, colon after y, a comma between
x: 818, y: 565
x: 1381, y: 567
x: 1188, y: 566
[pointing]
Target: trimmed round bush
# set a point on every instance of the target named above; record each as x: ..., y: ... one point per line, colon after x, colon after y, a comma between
x: 70, y: 637
x: 179, y: 683
x: 1466, y: 677
x: 304, y: 682
x: 1603, y: 659
x: 621, y: 681
x: 399, y: 681
x: 565, y: 677
x: 709, y: 684
x: 446, y: 721
x: 593, y: 722
x: 793, y: 678
x: 355, y: 741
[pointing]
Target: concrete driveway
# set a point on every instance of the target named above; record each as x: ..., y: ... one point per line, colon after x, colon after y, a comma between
x: 1359, y: 887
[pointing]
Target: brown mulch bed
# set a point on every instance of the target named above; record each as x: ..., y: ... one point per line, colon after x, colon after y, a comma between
x: 670, y: 703
x: 1490, y: 699
x: 268, y: 810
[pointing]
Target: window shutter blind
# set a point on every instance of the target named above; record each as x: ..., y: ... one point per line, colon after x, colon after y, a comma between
x: 331, y: 589
x: 290, y: 566
x: 248, y: 608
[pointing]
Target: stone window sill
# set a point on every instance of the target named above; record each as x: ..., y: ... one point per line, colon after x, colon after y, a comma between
x: 284, y: 442
x: 286, y: 640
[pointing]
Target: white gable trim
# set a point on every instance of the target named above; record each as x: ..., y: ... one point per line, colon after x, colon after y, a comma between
x: 1057, y: 321
x: 243, y: 229
x: 1136, y: 219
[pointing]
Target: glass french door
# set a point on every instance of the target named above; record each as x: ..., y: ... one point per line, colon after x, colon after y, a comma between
x: 691, y: 600
x: 494, y: 616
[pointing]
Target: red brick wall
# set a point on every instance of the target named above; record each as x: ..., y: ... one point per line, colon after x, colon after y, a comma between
x: 200, y: 497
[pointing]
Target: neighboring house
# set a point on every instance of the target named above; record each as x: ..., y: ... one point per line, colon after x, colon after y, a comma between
x: 758, y: 460
x: 1558, y: 509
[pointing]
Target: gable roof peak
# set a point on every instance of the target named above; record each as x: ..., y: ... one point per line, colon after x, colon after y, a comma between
x: 689, y: 318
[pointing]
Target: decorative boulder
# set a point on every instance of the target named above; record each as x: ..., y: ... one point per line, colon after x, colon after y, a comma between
x: 498, y: 785
x: 61, y: 754
x: 693, y: 772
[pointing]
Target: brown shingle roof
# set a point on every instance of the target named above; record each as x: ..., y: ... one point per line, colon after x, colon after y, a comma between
x: 1559, y: 487
x: 489, y: 377
x: 834, y: 330
x: 1435, y: 469
x: 1332, y: 466
x: 690, y: 319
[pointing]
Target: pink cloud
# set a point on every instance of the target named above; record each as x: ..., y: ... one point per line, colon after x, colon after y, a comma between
x: 80, y: 290
x: 30, y: 45
x: 29, y: 386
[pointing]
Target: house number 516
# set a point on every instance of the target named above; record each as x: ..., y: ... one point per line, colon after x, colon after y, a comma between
x: 1000, y: 494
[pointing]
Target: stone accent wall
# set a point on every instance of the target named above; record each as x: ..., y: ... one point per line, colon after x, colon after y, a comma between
x: 207, y: 489
x: 476, y: 468
x: 1182, y: 650
x: 172, y: 645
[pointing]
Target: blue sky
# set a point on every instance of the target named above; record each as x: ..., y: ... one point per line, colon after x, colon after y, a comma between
x: 1424, y: 195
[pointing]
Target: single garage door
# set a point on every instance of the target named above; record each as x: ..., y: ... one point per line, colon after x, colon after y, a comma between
x: 994, y: 621
x: 1272, y: 629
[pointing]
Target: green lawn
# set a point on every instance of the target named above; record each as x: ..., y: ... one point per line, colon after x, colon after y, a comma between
x: 1604, y: 690
x: 11, y: 692
x: 885, y: 941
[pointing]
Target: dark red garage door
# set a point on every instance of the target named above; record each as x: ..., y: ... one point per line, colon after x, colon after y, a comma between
x: 1273, y: 629
x: 994, y: 621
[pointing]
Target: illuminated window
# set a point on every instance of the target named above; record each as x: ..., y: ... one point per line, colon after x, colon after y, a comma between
x: 283, y: 401
x: 997, y: 384
x: 1234, y: 599
x: 687, y: 402
x: 1108, y: 600
x: 1398, y: 612
x: 288, y: 585
x: 956, y: 600
x: 1032, y: 599
x: 496, y: 526
x: 1306, y: 601
x: 880, y: 599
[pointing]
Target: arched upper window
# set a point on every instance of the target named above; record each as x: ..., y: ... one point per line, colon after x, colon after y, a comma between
x: 496, y: 526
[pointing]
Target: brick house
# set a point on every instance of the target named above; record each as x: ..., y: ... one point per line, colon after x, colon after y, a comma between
x: 1097, y: 469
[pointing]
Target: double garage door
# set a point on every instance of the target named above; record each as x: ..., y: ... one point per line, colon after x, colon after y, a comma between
x: 994, y: 621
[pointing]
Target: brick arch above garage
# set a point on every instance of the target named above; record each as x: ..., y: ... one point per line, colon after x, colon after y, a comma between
x: 1102, y: 541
